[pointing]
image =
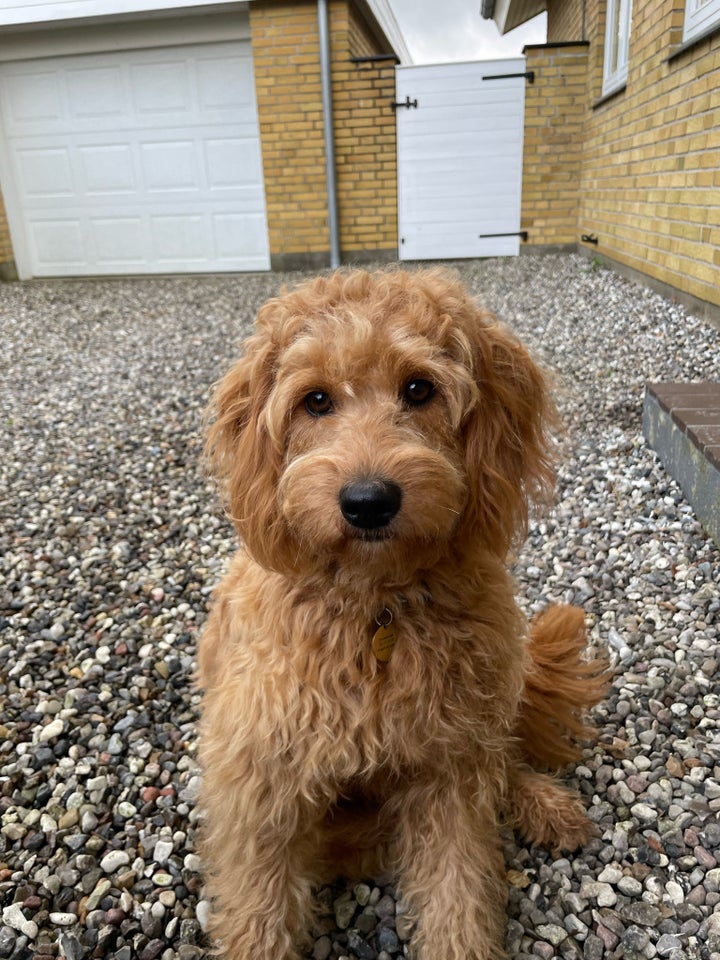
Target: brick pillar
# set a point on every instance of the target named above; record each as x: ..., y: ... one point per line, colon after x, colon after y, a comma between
x: 365, y: 141
x: 8, y: 270
x: 286, y: 57
x: 555, y: 109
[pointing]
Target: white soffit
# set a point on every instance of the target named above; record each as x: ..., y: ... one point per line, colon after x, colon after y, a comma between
x: 512, y: 13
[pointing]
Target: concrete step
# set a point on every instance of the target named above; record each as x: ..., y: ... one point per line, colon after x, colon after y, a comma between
x: 681, y: 422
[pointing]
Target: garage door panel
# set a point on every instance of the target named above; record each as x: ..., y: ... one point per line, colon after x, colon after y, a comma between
x: 232, y: 163
x: 58, y: 242
x: 116, y: 241
x: 160, y: 88
x: 170, y: 166
x: 224, y: 83
x: 230, y: 231
x: 94, y: 93
x: 45, y: 173
x: 150, y: 159
x: 145, y: 242
x: 32, y: 98
x: 179, y: 239
x: 107, y: 169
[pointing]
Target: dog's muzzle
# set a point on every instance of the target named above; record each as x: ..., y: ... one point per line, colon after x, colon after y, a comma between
x: 370, y: 504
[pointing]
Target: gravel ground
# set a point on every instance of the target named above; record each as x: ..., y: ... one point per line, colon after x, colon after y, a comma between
x: 111, y: 540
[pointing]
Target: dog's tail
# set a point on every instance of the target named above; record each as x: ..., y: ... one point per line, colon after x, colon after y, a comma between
x: 560, y: 687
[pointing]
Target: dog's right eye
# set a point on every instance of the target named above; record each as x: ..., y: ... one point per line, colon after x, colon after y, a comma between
x: 318, y: 403
x: 418, y: 392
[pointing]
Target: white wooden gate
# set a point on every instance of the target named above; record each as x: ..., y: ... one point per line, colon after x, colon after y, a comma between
x: 460, y: 148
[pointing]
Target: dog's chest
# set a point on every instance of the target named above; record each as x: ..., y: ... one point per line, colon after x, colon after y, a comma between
x: 433, y: 686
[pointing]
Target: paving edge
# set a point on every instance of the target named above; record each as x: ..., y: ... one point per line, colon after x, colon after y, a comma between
x: 698, y: 478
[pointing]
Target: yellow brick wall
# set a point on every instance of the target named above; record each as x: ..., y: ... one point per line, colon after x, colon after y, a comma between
x: 287, y: 79
x: 651, y: 175
x: 565, y: 21
x: 365, y: 146
x: 649, y: 172
x: 286, y: 57
x: 553, y: 142
x: 7, y: 255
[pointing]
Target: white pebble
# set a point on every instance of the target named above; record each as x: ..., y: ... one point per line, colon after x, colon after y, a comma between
x: 63, y: 919
x: 644, y: 812
x: 114, y: 860
x: 15, y: 918
x: 674, y: 892
x: 202, y: 914
x: 50, y: 730
x: 163, y: 850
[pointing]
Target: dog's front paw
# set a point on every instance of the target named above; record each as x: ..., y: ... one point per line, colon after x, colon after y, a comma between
x: 564, y: 827
x: 546, y: 813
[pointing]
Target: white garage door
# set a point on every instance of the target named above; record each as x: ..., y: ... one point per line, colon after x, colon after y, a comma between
x: 144, y: 161
x: 460, y: 148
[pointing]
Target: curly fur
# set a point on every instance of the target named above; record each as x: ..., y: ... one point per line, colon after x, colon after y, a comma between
x: 317, y: 757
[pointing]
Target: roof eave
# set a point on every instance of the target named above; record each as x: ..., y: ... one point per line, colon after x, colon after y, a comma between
x: 509, y: 14
x: 385, y: 18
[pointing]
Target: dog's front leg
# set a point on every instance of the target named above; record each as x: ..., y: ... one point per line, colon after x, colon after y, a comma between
x: 259, y: 849
x: 451, y: 868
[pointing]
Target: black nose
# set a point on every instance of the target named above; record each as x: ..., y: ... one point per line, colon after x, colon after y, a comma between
x: 370, y: 504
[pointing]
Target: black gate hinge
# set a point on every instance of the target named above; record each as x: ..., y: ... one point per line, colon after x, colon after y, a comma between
x: 523, y: 234
x: 529, y: 76
x: 407, y: 103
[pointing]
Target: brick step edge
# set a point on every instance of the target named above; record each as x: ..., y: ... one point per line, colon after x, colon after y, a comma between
x: 681, y: 422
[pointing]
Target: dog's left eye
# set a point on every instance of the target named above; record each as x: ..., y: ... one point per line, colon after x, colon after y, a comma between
x: 418, y: 391
x: 318, y: 403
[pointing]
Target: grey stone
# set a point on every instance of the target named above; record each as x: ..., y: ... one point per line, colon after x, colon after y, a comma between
x: 387, y: 939
x: 667, y: 944
x: 322, y: 948
x: 553, y: 933
x: 640, y: 912
x: 344, y: 912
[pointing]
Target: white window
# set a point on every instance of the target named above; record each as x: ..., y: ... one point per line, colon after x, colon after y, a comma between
x: 617, y: 44
x: 700, y: 17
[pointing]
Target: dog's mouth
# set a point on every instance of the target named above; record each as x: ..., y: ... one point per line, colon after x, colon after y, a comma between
x: 370, y: 536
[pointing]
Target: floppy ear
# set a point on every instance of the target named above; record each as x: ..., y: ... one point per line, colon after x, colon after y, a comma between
x: 508, y: 447
x: 239, y: 448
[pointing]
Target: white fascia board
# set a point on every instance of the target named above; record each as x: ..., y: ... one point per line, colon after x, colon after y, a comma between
x: 26, y: 12
x: 385, y: 18
x: 383, y: 13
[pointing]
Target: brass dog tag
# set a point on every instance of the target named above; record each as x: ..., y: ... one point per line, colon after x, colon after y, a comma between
x: 385, y: 638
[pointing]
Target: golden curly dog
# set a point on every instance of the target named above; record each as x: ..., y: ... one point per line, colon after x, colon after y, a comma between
x: 373, y: 697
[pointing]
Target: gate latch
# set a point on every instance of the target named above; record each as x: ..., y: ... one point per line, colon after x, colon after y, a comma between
x: 407, y: 103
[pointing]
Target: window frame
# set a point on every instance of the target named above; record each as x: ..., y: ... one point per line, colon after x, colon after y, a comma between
x: 617, y: 44
x: 700, y: 18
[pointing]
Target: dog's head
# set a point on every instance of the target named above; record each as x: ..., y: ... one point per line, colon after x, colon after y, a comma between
x: 379, y: 421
